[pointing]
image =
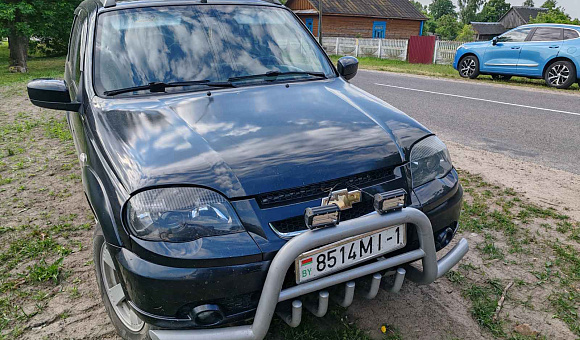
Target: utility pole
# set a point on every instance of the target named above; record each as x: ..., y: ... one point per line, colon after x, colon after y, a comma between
x: 320, y: 21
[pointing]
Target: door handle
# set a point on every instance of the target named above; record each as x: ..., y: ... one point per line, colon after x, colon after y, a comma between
x: 515, y: 48
x: 554, y: 46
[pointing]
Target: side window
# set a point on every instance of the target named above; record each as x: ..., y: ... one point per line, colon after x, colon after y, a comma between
x: 75, y: 49
x: 80, y: 52
x: 571, y: 34
x: 547, y: 34
x: 515, y: 35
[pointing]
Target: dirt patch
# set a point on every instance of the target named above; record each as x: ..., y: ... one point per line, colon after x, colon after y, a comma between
x: 47, y: 286
x: 540, y: 184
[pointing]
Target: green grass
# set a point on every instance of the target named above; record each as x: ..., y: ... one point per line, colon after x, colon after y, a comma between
x: 484, y: 299
x: 437, y: 70
x: 38, y: 67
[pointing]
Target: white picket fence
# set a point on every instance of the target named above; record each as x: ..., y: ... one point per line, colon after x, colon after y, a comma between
x: 386, y: 48
x: 379, y: 48
x: 445, y: 51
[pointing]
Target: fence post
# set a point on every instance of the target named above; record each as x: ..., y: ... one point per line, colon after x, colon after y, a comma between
x: 435, y: 52
x: 337, y: 45
x: 406, y: 50
x: 380, y: 48
x: 356, y: 48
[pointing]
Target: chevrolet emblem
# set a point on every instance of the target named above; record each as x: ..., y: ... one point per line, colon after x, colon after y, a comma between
x: 344, y: 199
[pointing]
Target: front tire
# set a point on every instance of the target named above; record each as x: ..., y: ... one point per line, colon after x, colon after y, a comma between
x: 469, y: 67
x: 127, y: 323
x: 560, y: 74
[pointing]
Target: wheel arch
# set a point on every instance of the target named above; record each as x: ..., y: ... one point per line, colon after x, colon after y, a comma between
x: 470, y: 54
x: 556, y: 59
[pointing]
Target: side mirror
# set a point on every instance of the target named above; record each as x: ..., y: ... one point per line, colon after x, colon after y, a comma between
x: 51, y: 94
x: 494, y: 41
x: 347, y: 67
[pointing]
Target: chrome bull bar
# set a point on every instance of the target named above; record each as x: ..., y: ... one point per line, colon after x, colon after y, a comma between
x: 273, y: 293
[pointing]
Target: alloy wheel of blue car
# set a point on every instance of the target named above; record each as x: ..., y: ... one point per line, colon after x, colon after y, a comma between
x: 469, y: 67
x: 560, y: 74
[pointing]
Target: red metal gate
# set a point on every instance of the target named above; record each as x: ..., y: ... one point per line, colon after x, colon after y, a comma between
x: 421, y: 49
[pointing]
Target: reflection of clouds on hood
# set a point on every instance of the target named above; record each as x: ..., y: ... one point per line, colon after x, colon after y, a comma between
x: 318, y: 145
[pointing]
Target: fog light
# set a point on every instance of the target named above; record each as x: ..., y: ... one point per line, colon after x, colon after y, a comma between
x: 207, y: 315
x: 389, y: 201
x: 322, y: 217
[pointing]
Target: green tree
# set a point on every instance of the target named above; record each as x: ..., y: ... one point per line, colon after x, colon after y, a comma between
x: 448, y: 27
x: 468, y: 10
x: 418, y: 5
x: 439, y: 8
x: 529, y: 3
x: 467, y: 33
x: 493, y: 10
x: 550, y: 4
x: 554, y: 15
x: 47, y: 20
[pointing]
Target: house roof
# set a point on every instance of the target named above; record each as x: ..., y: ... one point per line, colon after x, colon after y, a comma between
x: 526, y: 12
x: 393, y: 9
x: 488, y: 28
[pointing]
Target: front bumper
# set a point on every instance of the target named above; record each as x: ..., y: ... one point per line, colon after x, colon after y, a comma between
x: 273, y: 293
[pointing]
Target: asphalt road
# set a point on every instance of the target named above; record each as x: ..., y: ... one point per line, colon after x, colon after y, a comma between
x: 536, y: 125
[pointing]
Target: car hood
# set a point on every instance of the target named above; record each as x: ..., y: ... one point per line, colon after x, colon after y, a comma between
x: 250, y: 140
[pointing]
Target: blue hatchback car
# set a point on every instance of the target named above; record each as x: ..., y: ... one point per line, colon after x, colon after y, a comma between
x: 549, y: 51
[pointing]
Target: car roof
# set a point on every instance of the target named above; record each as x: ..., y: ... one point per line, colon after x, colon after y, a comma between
x: 575, y: 27
x: 121, y: 4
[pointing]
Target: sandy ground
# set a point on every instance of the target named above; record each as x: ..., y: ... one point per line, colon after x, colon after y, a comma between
x: 438, y: 311
x: 540, y: 184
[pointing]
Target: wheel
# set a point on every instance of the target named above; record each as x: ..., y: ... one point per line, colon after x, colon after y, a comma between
x: 469, y: 67
x: 500, y: 77
x: 560, y: 74
x: 127, y: 323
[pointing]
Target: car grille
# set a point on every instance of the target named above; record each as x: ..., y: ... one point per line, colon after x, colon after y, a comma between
x: 296, y: 224
x: 319, y: 190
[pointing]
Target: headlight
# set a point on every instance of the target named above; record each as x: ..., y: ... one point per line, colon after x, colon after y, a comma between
x: 180, y: 215
x: 429, y: 160
x: 460, y: 46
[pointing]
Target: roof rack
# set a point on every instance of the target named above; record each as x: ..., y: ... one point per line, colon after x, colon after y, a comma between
x: 109, y: 3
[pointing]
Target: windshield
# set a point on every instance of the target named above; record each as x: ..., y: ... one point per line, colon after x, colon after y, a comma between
x: 206, y: 43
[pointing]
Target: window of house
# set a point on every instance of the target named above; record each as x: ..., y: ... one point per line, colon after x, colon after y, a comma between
x: 309, y: 23
x: 547, y: 34
x: 379, y: 28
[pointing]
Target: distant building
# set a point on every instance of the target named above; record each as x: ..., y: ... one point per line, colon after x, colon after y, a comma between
x: 516, y: 16
x: 390, y: 19
x: 487, y: 30
x: 519, y: 15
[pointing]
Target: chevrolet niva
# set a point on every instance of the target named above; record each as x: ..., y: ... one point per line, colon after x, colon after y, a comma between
x: 235, y: 173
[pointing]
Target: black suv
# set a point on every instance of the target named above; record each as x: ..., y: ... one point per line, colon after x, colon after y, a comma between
x: 235, y: 173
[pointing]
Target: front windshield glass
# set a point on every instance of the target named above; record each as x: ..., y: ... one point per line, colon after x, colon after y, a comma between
x: 216, y: 43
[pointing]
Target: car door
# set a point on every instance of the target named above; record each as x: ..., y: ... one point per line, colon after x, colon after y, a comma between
x: 543, y: 45
x: 503, y: 57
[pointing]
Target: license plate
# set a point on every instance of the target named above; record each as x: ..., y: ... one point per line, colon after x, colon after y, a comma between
x: 348, y: 252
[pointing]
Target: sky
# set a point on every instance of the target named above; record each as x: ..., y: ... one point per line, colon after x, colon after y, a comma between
x: 572, y: 6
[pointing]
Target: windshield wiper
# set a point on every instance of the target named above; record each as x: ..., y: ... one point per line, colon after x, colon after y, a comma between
x: 157, y: 87
x: 276, y: 74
